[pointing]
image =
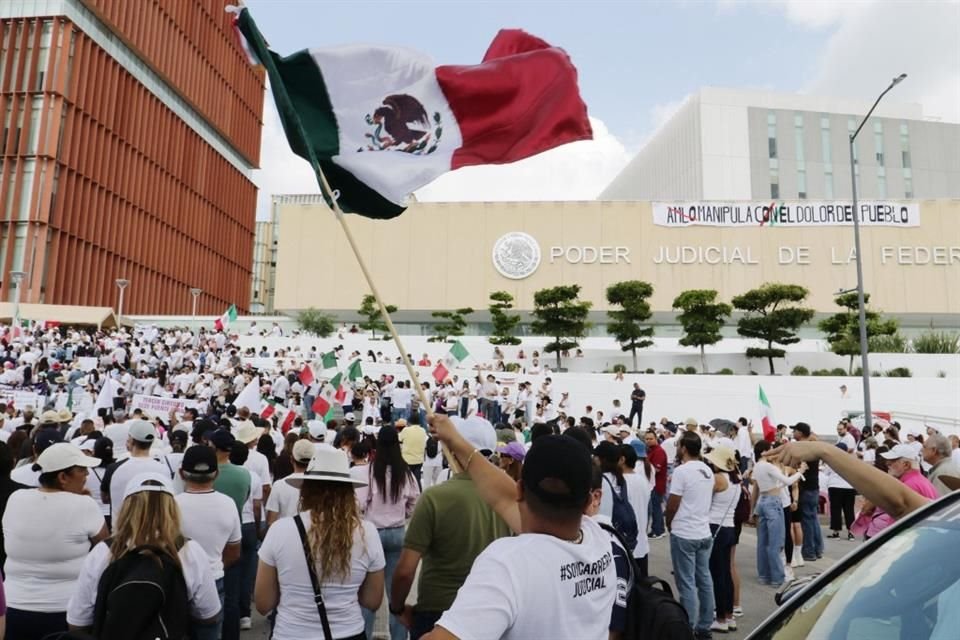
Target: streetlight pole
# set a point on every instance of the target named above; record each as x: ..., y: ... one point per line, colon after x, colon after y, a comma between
x: 122, y: 284
x: 195, y: 292
x: 17, y: 277
x: 861, y: 307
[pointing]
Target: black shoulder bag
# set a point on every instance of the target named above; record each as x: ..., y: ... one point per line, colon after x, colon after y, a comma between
x: 314, y: 580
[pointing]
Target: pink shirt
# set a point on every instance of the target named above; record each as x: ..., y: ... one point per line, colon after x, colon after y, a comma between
x: 379, y: 510
x: 915, y: 480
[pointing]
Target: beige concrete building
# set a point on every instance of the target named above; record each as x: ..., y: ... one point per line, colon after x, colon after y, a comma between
x: 264, y: 273
x: 448, y: 255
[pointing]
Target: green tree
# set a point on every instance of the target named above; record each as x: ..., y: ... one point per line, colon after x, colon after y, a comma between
x: 843, y: 328
x: 772, y: 314
x: 316, y: 322
x: 504, y: 324
x: 370, y: 310
x: 560, y: 313
x: 626, y: 322
x: 454, y: 325
x: 701, y: 317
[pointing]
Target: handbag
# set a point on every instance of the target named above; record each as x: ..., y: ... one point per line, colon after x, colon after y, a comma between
x: 317, y: 597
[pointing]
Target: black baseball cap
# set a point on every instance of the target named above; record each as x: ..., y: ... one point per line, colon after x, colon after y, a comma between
x: 199, y: 459
x: 45, y: 438
x: 558, y: 470
x: 802, y: 427
x: 607, y: 450
x: 222, y: 440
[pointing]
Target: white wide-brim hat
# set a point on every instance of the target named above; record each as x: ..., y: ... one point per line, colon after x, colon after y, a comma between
x: 328, y: 465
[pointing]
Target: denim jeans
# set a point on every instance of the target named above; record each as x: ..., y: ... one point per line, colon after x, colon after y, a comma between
x: 392, y: 541
x: 691, y: 572
x: 209, y: 631
x: 248, y: 565
x: 655, y: 511
x: 770, y: 533
x: 423, y: 419
x: 810, y: 523
x: 230, y: 616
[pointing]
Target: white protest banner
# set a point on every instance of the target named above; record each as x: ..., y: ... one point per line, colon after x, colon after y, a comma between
x: 22, y: 399
x: 804, y: 213
x: 160, y: 407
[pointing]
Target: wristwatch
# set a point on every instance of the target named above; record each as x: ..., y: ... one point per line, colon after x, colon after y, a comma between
x: 396, y: 612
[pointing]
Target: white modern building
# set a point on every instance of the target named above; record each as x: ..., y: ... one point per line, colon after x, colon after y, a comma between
x: 726, y: 144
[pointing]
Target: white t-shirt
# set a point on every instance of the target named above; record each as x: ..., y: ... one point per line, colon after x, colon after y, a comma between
x: 848, y: 440
x: 118, y: 432
x: 538, y: 586
x: 693, y: 482
x: 126, y: 472
x: 201, y: 589
x: 297, y: 615
x: 94, y: 478
x: 284, y: 499
x: 669, y: 447
x: 212, y: 520
x: 256, y: 493
x: 258, y: 464
x: 638, y: 495
x: 46, y: 536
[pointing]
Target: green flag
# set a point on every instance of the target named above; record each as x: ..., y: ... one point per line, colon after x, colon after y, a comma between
x: 329, y: 360
x: 459, y: 351
x: 354, y: 371
x: 335, y: 381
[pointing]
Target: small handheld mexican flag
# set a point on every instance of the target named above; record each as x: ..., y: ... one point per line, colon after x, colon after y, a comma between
x: 381, y: 122
x: 354, y: 371
x: 329, y: 360
x: 332, y: 392
x: 440, y: 373
x: 306, y: 375
x: 769, y: 430
x: 457, y: 354
x: 229, y: 316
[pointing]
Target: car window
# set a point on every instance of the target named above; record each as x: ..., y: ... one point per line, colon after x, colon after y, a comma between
x: 907, y: 589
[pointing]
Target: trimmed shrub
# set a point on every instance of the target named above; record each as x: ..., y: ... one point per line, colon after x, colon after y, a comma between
x: 690, y: 371
x: 899, y: 372
x: 679, y: 371
x: 619, y: 368
x: 937, y: 342
x: 726, y: 371
x: 800, y: 371
x: 894, y: 343
x: 821, y: 372
x: 839, y: 372
x: 649, y: 370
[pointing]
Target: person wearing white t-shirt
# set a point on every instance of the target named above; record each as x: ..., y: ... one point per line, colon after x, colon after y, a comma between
x: 210, y: 519
x: 284, y: 500
x: 256, y: 462
x: 350, y: 577
x: 141, y: 436
x: 844, y: 436
x: 151, y: 494
x: 250, y: 519
x: 47, y: 534
x: 556, y: 579
x: 688, y: 520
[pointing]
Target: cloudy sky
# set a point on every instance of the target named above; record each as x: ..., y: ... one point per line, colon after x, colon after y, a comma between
x: 637, y: 61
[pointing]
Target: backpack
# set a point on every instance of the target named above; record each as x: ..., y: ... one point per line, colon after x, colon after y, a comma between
x: 652, y: 611
x: 432, y: 448
x: 142, y: 596
x: 624, y: 519
x: 741, y: 513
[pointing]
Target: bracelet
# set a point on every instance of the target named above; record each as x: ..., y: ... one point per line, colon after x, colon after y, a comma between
x: 466, y: 465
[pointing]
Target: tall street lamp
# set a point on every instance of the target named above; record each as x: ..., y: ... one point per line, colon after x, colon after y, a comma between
x: 195, y: 292
x: 122, y: 284
x: 861, y: 308
x: 17, y: 277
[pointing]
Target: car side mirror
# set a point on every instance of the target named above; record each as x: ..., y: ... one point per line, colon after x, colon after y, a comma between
x: 792, y: 588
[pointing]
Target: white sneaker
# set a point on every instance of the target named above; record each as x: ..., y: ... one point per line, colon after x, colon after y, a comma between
x: 731, y: 624
x: 737, y: 612
x: 719, y: 626
x: 796, y: 562
x: 788, y: 573
x: 246, y: 624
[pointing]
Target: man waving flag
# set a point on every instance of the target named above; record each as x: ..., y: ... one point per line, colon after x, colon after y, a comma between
x: 381, y: 122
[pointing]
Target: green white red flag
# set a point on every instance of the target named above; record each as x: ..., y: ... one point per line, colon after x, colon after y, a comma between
x: 229, y: 317
x: 381, y: 122
x: 769, y: 430
x: 306, y: 375
x: 440, y: 373
x: 354, y: 371
x: 457, y: 354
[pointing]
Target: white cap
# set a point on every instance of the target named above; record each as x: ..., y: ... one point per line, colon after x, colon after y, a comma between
x: 63, y: 455
x: 136, y: 484
x: 477, y: 431
x: 900, y: 451
x: 317, y: 429
x: 142, y: 431
x: 349, y: 417
x: 612, y: 429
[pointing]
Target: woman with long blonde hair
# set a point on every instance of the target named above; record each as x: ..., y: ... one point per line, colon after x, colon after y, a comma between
x: 149, y: 517
x: 326, y: 547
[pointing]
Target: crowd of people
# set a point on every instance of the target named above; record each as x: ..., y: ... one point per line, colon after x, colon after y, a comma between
x: 521, y: 518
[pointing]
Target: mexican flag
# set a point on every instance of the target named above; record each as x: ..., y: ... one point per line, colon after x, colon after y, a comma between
x: 306, y: 375
x: 332, y: 392
x: 329, y: 360
x: 354, y: 371
x: 457, y: 354
x: 440, y: 373
x: 769, y: 429
x: 229, y: 316
x: 285, y: 417
x: 384, y: 121
x: 269, y: 409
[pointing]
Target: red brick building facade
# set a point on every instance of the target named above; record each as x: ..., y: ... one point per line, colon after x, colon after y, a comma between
x: 129, y: 131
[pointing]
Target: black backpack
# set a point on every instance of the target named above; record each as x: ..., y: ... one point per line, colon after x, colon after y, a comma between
x: 652, y: 611
x: 432, y: 447
x: 142, y: 596
x: 624, y: 519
